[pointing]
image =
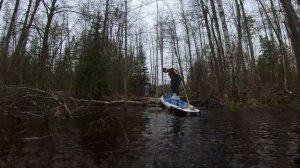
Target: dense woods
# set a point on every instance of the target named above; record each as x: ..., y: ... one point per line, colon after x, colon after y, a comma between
x: 236, y: 49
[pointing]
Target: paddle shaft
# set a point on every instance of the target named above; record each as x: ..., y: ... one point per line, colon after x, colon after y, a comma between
x: 184, y: 89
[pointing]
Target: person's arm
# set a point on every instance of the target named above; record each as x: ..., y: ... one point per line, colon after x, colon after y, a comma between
x: 165, y: 70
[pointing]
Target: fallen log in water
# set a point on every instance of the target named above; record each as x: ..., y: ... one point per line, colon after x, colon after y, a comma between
x: 25, y: 103
x: 141, y: 102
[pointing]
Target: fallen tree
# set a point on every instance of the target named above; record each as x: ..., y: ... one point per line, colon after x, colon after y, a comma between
x: 25, y: 103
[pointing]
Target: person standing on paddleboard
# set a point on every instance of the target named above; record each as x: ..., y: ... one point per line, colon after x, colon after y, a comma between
x: 175, y: 80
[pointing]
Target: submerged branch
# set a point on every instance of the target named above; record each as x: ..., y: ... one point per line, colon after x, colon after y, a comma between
x: 142, y: 102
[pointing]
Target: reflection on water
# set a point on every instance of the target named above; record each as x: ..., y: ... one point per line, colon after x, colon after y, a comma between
x: 151, y: 137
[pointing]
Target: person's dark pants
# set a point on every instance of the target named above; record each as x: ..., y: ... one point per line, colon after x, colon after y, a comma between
x: 175, y: 86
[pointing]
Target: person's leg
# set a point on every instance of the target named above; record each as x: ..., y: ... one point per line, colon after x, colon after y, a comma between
x: 146, y: 91
x: 173, y: 86
x: 177, y: 86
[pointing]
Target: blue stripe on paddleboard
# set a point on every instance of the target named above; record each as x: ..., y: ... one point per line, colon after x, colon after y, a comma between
x: 180, y: 103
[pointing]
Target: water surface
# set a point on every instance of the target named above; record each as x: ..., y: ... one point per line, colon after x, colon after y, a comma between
x: 151, y: 137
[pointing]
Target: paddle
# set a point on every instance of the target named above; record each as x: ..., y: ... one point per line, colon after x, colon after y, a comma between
x: 187, y: 98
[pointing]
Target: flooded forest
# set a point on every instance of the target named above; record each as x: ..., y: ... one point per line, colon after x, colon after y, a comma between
x: 82, y: 83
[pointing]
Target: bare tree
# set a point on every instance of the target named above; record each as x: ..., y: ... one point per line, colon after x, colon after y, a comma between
x: 278, y: 32
x: 220, y: 49
x: 239, y: 38
x: 239, y: 55
x: 20, y: 48
x: 228, y: 48
x: 294, y: 26
x: 159, y: 42
x: 8, y: 37
x: 161, y: 49
x: 249, y: 39
x: 216, y: 66
x: 126, y: 57
x: 187, y: 31
x: 1, y: 3
x: 281, y: 43
x: 45, y: 46
x: 105, y: 19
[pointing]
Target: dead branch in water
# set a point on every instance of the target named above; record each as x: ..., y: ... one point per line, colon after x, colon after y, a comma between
x: 6, y: 113
x: 52, y: 95
x: 18, y: 101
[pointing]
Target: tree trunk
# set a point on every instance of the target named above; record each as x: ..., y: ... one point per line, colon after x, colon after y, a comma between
x: 219, y: 44
x: 187, y: 31
x: 294, y: 26
x: 161, y: 49
x: 263, y: 22
x: 160, y: 43
x: 1, y: 3
x: 8, y: 37
x: 22, y: 38
x: 17, y: 56
x: 229, y: 55
x: 239, y: 55
x: 125, y: 60
x: 216, y: 65
x: 199, y: 21
x: 249, y: 38
x: 196, y: 45
x: 18, y: 48
x: 104, y: 33
x: 277, y: 31
x: 281, y: 44
x: 45, y: 46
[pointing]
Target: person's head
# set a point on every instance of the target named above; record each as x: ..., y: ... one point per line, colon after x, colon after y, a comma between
x: 165, y: 70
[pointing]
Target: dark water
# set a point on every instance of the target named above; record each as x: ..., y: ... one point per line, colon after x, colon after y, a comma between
x: 151, y: 137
